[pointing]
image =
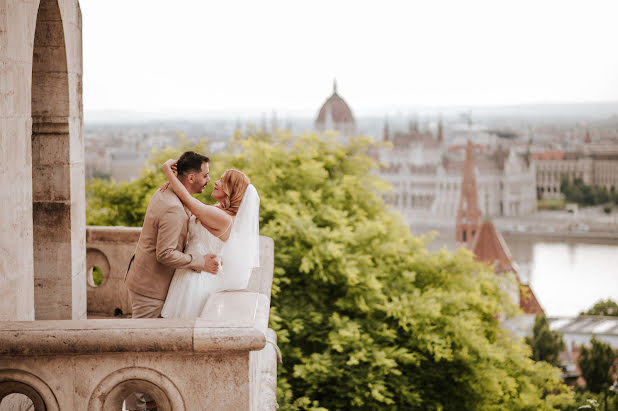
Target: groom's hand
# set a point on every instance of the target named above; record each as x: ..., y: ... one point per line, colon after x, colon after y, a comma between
x: 210, y: 264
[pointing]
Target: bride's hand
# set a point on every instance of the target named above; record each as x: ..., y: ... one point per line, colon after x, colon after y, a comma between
x: 164, y: 186
x: 171, y: 164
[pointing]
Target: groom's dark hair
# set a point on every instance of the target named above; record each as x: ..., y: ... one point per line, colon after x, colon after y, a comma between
x: 190, y: 162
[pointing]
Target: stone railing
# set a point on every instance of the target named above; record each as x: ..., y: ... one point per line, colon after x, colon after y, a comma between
x: 225, y: 360
x: 110, y: 249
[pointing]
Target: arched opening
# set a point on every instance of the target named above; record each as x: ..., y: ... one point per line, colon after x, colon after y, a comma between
x: 20, y: 390
x: 97, y: 268
x: 17, y: 402
x: 51, y: 180
x: 18, y: 396
x: 94, y: 276
x: 122, y: 385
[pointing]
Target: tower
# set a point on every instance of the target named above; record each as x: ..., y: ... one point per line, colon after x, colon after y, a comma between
x: 440, y: 132
x: 468, y: 213
x: 336, y: 115
x: 386, y: 136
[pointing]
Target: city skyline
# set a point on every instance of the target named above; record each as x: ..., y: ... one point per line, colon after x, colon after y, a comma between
x: 246, y: 57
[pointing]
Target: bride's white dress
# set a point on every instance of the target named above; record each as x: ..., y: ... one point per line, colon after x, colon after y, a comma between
x: 189, y: 290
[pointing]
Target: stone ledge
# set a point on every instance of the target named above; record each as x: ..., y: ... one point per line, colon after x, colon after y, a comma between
x: 237, y: 321
x: 118, y: 234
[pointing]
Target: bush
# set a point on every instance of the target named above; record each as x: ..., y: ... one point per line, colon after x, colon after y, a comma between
x: 551, y: 204
x: 597, y: 365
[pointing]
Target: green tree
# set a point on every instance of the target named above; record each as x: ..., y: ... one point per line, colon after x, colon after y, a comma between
x: 546, y: 344
x: 585, y: 399
x: 597, y: 365
x: 603, y: 307
x: 577, y: 192
x: 366, y: 317
x: 124, y: 203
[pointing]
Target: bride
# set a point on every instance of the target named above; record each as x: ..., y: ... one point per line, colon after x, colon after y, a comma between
x: 229, y: 229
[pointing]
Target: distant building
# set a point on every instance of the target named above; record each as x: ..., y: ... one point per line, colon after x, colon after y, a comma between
x: 126, y: 165
x: 580, y: 330
x: 336, y: 115
x: 577, y: 332
x: 489, y: 247
x: 595, y: 164
x: 425, y: 175
x: 486, y: 242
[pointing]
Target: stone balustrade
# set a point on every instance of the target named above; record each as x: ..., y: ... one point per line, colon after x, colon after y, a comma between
x: 225, y: 360
x: 110, y: 249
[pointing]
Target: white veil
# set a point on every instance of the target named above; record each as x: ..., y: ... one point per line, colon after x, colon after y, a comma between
x: 241, y: 252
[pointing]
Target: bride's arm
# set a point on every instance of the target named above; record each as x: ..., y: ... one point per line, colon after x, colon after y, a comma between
x: 208, y: 215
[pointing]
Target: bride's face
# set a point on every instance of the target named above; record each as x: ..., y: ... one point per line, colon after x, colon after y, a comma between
x: 217, y: 191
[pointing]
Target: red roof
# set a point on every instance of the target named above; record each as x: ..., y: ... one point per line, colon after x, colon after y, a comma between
x: 548, y: 155
x: 528, y: 302
x: 490, y: 248
x: 404, y: 140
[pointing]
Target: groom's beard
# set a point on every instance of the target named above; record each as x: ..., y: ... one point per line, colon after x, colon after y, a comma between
x: 200, y: 188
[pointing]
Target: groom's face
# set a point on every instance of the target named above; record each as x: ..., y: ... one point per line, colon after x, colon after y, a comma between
x: 200, y: 180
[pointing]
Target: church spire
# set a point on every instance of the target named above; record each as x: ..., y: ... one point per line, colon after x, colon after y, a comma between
x: 440, y: 131
x: 334, y: 86
x: 386, y: 136
x: 468, y: 214
x: 588, y: 140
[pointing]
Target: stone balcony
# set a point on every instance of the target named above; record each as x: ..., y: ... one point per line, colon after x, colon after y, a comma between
x: 226, y: 360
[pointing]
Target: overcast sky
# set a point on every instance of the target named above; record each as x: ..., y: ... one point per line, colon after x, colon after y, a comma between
x: 258, y: 56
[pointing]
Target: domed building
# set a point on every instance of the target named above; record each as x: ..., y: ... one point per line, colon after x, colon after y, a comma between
x: 336, y: 115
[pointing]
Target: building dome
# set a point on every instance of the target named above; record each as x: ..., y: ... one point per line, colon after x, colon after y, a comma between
x: 334, y: 111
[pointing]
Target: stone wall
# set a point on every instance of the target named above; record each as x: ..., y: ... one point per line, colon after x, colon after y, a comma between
x: 183, y: 364
x: 111, y: 248
x: 42, y: 219
x: 227, y: 359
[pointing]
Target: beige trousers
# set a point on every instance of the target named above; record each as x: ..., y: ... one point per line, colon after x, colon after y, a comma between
x: 145, y: 307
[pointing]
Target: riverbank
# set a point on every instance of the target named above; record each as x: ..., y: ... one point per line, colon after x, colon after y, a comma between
x: 589, y: 237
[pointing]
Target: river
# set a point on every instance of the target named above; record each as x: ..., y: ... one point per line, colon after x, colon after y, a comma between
x: 567, y: 275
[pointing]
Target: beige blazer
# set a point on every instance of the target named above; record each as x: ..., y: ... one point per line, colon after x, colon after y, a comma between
x: 160, y: 247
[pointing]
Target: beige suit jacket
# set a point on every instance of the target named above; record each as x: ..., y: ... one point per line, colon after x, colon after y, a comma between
x: 160, y: 247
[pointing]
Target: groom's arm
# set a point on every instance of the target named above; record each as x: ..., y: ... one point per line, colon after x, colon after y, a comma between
x: 170, y: 225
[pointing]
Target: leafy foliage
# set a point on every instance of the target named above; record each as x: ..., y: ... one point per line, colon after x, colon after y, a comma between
x: 577, y: 192
x: 366, y: 317
x: 587, y: 400
x: 603, y: 307
x: 550, y: 203
x: 546, y: 344
x: 97, y: 276
x: 111, y: 203
x: 597, y: 365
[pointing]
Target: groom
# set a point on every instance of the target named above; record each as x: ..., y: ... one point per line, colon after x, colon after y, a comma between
x: 162, y: 241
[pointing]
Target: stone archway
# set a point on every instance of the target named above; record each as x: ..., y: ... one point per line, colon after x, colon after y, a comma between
x: 56, y: 238
x: 114, y: 388
x: 21, y: 382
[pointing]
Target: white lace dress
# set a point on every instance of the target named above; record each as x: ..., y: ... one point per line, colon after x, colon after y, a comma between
x: 189, y: 290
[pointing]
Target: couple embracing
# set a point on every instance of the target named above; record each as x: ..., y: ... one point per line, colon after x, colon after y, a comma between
x: 188, y: 250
